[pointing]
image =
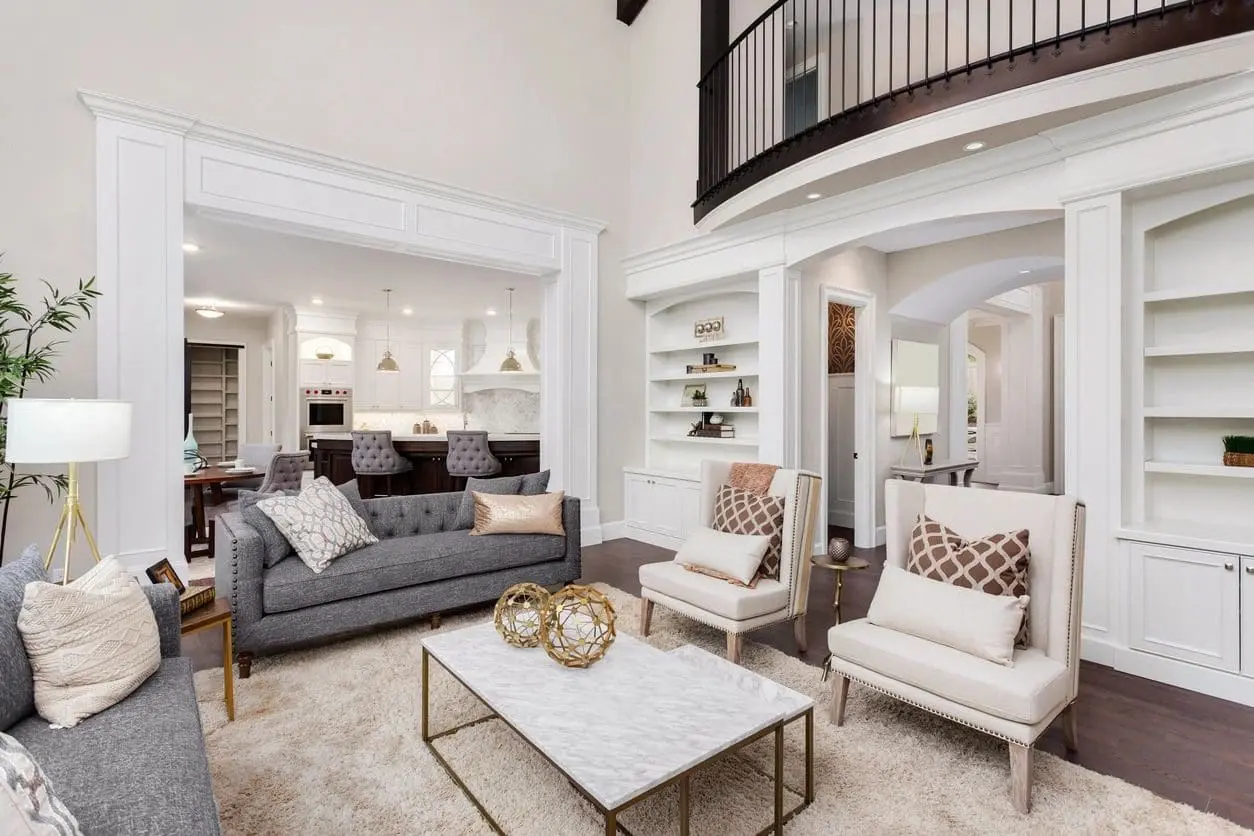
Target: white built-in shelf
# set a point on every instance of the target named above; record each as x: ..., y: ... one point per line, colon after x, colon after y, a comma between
x: 1188, y: 411
x: 699, y: 377
x: 1196, y: 350
x: 1179, y: 294
x: 1200, y: 470
x: 692, y: 439
x: 1232, y: 539
x: 693, y: 345
x: 718, y: 409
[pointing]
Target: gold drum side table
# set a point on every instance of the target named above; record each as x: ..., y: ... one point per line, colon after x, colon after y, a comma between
x: 824, y: 562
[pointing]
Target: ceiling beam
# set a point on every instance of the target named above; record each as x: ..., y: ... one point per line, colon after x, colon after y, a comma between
x: 629, y: 9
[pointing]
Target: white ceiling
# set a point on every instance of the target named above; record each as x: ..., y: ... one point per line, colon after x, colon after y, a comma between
x: 250, y: 271
x: 953, y: 229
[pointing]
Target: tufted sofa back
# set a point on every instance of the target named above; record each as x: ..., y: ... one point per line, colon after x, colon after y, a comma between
x: 469, y: 454
x: 405, y: 516
x: 373, y: 454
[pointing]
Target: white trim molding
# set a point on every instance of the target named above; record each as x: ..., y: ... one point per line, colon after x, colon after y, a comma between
x: 152, y: 164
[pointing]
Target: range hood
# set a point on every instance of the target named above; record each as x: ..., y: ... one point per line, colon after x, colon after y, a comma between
x: 487, y: 374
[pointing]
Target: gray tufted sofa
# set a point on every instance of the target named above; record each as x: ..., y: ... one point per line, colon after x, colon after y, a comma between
x: 423, y: 565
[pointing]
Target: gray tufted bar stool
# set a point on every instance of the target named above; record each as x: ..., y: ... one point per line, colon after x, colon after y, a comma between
x: 284, y: 472
x: 469, y: 455
x: 375, y: 458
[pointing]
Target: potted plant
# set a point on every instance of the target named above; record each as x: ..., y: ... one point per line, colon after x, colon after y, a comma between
x: 26, y: 354
x: 1239, y: 450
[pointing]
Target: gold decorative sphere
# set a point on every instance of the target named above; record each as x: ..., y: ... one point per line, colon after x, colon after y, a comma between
x: 579, y: 627
x: 520, y: 613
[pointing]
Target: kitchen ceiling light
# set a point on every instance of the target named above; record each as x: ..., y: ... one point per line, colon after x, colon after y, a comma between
x: 813, y: 196
x: 408, y: 311
x: 974, y: 146
x: 510, y: 363
x: 387, y: 363
x: 189, y: 247
x: 317, y: 300
x: 1024, y: 272
x: 490, y: 312
x: 209, y: 312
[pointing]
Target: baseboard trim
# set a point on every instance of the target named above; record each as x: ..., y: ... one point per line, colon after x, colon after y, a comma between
x: 664, y: 541
x: 1221, y: 684
x: 616, y: 530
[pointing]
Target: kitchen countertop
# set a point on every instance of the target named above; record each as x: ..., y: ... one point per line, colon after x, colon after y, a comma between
x: 431, y: 437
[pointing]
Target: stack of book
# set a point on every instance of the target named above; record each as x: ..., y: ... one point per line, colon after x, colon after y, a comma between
x: 712, y: 367
x: 707, y: 430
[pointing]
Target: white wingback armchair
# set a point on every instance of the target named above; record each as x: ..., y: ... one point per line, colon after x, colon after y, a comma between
x: 1018, y: 703
x: 734, y: 609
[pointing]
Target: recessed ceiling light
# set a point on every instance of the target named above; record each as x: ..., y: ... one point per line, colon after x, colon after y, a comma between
x: 209, y: 312
x: 408, y: 311
x: 974, y: 146
x: 490, y: 312
x: 1024, y: 272
x: 813, y: 196
x: 317, y: 300
x: 189, y: 247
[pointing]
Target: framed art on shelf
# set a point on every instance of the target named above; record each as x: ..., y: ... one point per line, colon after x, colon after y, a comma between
x: 163, y: 572
x: 694, y: 395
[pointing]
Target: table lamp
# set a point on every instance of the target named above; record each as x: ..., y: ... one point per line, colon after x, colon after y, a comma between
x: 916, y: 400
x: 67, y: 432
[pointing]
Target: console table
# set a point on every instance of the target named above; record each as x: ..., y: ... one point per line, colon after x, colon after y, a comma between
x: 913, y: 473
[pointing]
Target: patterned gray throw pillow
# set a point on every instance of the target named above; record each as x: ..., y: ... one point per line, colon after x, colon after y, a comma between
x: 320, y: 523
x: 28, y: 804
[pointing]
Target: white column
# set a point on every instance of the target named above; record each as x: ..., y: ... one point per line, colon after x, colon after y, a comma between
x: 779, y: 367
x: 951, y: 439
x: 1093, y: 436
x: 139, y: 338
x: 1024, y: 397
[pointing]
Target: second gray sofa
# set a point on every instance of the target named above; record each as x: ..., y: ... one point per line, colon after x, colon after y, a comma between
x: 423, y: 565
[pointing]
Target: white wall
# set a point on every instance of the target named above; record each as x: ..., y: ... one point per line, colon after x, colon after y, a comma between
x: 545, y: 121
x: 251, y: 332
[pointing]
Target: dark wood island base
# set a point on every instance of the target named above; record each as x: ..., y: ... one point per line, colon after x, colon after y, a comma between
x: 333, y: 458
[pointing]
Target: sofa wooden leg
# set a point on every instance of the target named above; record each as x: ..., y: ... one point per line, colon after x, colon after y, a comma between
x: 799, y: 632
x: 1070, y: 730
x: 245, y: 661
x: 840, y: 694
x: 1021, y: 777
x: 735, y: 641
x: 435, y: 621
x: 646, y: 615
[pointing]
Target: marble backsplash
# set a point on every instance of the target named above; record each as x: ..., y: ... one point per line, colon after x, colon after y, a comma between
x: 495, y: 410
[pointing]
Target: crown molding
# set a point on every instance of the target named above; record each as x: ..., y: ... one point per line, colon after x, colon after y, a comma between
x: 136, y: 113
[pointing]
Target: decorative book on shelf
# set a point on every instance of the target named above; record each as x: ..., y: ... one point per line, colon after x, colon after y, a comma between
x: 705, y: 428
x: 710, y: 367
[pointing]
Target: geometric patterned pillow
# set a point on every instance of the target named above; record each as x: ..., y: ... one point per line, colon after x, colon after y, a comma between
x: 996, y: 564
x: 28, y: 806
x: 739, y: 511
x: 319, y: 523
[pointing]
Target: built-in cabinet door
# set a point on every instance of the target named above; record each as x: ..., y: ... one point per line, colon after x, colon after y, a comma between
x: 387, y: 389
x: 365, y: 395
x: 660, y: 505
x: 1185, y: 604
x: 635, y: 500
x: 339, y: 373
x: 1247, y: 616
x: 413, y: 372
x: 690, y: 509
x: 313, y: 373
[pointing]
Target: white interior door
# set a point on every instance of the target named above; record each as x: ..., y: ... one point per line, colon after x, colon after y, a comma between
x: 841, y: 423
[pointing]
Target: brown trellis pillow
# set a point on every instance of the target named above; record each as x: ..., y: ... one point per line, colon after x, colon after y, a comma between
x: 996, y: 564
x: 739, y: 511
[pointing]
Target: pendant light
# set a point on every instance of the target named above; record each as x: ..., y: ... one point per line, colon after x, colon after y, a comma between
x: 387, y: 363
x: 510, y: 363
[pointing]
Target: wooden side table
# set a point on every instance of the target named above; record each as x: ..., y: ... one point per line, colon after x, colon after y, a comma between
x: 825, y: 562
x: 216, y: 614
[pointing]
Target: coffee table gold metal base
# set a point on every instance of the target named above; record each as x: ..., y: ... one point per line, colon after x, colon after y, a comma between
x: 683, y: 780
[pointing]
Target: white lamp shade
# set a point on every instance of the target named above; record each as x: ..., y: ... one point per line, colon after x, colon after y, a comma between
x: 920, y: 400
x: 64, y: 431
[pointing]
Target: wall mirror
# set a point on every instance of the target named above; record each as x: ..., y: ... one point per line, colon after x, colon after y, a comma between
x: 915, y: 387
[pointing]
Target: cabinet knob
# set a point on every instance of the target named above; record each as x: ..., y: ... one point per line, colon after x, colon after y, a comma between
x: 1249, y: 570
x: 1228, y: 566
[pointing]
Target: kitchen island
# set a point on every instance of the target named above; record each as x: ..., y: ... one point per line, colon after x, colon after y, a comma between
x: 332, y: 455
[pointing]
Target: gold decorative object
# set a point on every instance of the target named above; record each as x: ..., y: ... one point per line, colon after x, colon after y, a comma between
x: 579, y: 627
x: 520, y: 613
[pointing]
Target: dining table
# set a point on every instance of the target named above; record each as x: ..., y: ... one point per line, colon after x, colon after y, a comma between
x: 200, y: 540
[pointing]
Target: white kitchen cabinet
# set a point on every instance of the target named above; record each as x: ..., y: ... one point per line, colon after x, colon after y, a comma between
x: 662, y: 510
x: 1247, y: 616
x: 326, y: 373
x: 365, y: 394
x: 409, y: 356
x: 1185, y: 604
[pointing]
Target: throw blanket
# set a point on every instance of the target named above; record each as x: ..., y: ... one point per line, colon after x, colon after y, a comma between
x: 754, y: 477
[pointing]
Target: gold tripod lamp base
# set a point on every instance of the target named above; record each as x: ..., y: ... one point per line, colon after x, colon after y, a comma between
x: 71, y: 522
x: 915, y: 443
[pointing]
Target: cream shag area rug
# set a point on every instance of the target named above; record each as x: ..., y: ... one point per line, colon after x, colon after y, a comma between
x: 327, y: 741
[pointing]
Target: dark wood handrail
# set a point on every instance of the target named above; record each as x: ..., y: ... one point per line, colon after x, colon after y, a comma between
x: 762, y: 112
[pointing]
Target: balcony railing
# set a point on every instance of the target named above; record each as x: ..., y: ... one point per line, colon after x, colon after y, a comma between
x: 809, y: 75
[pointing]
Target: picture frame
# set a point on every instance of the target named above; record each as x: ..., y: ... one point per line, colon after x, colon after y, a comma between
x: 695, y: 394
x: 163, y: 572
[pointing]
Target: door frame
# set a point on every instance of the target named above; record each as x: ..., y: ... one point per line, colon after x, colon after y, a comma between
x: 981, y: 387
x: 268, y: 423
x: 864, y: 441
x: 242, y: 359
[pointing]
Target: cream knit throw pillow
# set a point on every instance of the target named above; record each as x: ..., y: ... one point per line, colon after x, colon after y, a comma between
x: 90, y: 643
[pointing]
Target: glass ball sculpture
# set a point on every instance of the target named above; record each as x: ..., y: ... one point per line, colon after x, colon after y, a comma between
x: 520, y: 613
x: 579, y: 627
x: 838, y: 549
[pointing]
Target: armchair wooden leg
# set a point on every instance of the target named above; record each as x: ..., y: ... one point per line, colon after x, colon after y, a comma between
x: 1021, y: 777
x: 799, y: 632
x: 1070, y: 727
x: 646, y: 615
x: 735, y: 641
x: 840, y: 693
x: 245, y: 661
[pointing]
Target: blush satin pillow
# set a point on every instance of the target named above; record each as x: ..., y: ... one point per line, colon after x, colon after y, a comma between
x: 500, y: 514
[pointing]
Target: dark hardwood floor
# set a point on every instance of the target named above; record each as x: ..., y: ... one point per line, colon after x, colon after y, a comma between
x: 1181, y: 745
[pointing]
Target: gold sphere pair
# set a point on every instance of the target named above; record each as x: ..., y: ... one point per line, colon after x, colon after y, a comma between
x: 574, y: 625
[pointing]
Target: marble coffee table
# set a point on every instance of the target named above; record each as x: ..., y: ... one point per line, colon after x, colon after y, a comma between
x: 637, y: 721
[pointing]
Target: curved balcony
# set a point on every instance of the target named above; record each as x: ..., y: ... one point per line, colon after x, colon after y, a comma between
x: 810, y: 75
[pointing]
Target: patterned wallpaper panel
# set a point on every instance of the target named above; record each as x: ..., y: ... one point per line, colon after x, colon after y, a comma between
x: 840, y: 338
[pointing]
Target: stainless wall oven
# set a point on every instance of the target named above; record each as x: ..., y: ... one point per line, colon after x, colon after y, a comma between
x: 325, y: 410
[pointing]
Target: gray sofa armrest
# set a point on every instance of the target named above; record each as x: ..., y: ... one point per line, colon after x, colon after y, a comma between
x: 572, y: 521
x: 164, y: 599
x: 239, y: 564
